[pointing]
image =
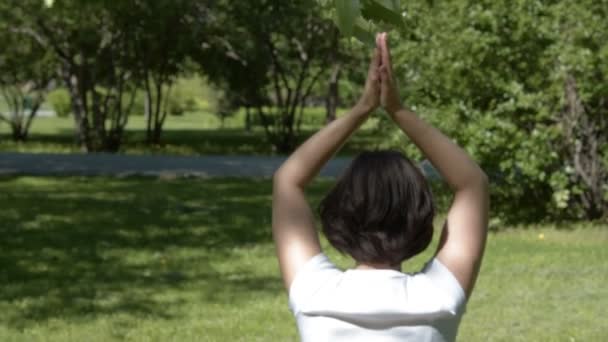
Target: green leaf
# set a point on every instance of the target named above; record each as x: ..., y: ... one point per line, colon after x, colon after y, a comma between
x: 347, y: 13
x: 364, y: 34
x: 393, y: 5
x: 386, y: 11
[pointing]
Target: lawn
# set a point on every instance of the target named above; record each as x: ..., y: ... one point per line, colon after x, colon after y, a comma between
x: 143, y: 259
x: 195, y: 133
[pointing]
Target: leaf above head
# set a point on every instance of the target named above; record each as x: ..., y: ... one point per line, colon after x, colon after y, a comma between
x: 386, y: 11
x: 49, y: 3
x: 364, y: 34
x: 393, y: 5
x: 347, y: 12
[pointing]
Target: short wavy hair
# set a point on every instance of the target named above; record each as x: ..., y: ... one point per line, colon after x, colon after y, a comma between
x: 380, y: 210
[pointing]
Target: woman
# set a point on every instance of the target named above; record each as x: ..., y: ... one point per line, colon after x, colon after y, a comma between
x: 380, y: 212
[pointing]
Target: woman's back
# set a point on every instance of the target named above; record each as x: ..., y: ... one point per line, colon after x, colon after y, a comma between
x: 375, y: 305
x: 380, y: 212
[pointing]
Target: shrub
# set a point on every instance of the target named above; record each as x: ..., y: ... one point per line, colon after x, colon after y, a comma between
x: 60, y: 102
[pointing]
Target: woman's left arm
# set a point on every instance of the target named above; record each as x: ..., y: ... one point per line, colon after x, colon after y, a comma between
x: 293, y: 226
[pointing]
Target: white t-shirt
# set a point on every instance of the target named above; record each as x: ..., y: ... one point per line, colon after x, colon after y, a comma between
x: 375, y: 305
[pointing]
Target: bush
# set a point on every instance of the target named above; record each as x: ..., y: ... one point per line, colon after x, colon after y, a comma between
x: 60, y: 102
x: 493, y: 78
x: 177, y: 102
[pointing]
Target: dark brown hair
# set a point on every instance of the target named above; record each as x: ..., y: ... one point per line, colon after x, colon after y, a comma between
x: 380, y: 210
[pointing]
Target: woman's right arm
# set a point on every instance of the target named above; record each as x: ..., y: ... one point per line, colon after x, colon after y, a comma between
x: 464, y: 234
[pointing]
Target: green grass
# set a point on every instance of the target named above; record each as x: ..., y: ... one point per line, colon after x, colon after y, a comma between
x: 198, y: 133
x: 142, y: 259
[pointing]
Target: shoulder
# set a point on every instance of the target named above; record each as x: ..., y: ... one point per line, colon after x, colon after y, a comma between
x: 442, y: 283
x: 317, y: 271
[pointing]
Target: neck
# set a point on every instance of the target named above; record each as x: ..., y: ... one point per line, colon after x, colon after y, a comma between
x: 370, y: 266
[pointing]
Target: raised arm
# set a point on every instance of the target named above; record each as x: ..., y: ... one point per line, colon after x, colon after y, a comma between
x: 464, y: 234
x: 293, y: 227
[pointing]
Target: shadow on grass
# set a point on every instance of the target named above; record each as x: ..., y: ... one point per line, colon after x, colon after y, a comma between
x: 84, y: 247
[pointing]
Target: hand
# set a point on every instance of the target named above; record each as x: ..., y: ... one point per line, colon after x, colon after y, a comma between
x: 389, y: 94
x: 370, y: 99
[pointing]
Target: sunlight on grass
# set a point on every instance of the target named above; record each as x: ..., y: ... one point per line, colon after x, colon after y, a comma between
x: 143, y: 259
x: 195, y: 133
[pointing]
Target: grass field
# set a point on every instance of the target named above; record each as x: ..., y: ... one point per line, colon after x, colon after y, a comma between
x: 197, y: 133
x: 143, y: 259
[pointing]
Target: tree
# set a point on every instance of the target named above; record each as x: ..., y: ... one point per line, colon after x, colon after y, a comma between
x: 105, y: 57
x: 356, y: 19
x: 26, y: 73
x: 271, y: 52
x: 94, y: 63
x: 241, y: 77
x: 581, y: 57
x: 161, y: 35
x: 523, y: 86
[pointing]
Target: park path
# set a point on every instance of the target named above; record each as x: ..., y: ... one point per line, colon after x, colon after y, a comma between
x: 148, y: 165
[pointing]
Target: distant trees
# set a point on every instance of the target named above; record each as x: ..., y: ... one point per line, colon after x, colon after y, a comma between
x: 267, y: 56
x: 522, y: 84
x: 272, y: 55
x: 161, y: 35
x: 105, y: 51
x: 93, y: 59
x: 26, y: 73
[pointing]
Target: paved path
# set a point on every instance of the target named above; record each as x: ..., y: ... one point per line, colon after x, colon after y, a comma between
x: 129, y: 165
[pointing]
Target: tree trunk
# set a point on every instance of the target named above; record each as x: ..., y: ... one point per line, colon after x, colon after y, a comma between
x: 20, y: 127
x: 82, y: 135
x: 17, y: 133
x: 148, y: 115
x: 25, y: 131
x: 247, y: 119
x: 584, y: 137
x: 333, y: 96
x: 284, y: 145
x: 148, y: 109
x: 157, y: 134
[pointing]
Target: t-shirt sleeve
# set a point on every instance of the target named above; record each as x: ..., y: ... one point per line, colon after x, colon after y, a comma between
x: 309, y: 279
x: 446, y: 282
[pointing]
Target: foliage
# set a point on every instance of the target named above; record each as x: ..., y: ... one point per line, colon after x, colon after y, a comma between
x: 93, y: 60
x: 60, y: 102
x: 161, y: 35
x: 25, y: 76
x: 493, y: 74
x: 273, y: 53
x: 522, y: 84
x: 104, y: 58
x: 361, y: 18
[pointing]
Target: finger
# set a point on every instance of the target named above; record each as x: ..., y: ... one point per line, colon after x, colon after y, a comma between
x: 384, y: 81
x: 379, y: 48
x: 374, y: 76
x: 386, y: 53
x: 377, y: 57
x: 385, y: 77
x: 375, y: 62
